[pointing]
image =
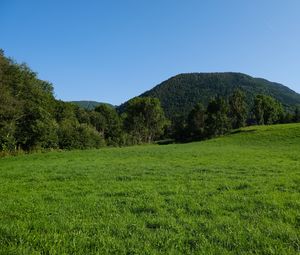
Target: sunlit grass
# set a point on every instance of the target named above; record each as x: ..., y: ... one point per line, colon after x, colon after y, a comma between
x: 238, y: 194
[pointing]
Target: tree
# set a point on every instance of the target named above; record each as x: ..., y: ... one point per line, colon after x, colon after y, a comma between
x: 144, y: 119
x: 82, y: 115
x: 63, y: 111
x: 31, y: 118
x: 196, y: 122
x: 73, y: 135
x: 267, y: 110
x: 238, y: 109
x: 36, y: 129
x: 10, y: 112
x: 217, y: 121
x: 28, y: 107
x: 109, y: 124
x: 10, y: 108
x: 98, y: 121
x: 88, y: 137
x: 297, y: 114
x: 287, y: 117
x: 178, y: 128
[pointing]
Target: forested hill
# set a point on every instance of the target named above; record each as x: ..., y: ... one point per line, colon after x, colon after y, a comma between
x: 32, y: 119
x: 89, y: 105
x: 180, y: 93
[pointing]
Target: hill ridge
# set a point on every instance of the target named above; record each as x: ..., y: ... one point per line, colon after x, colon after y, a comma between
x: 88, y: 104
x: 181, y: 92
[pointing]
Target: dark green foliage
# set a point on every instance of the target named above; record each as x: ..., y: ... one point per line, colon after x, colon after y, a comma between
x: 196, y: 122
x: 68, y: 135
x: 89, y: 105
x: 78, y: 128
x: 220, y: 117
x: 217, y: 121
x: 27, y: 104
x: 31, y: 118
x: 73, y: 135
x: 287, y: 117
x: 98, y: 121
x: 297, y: 114
x: 179, y: 94
x: 238, y: 109
x: 64, y: 111
x: 37, y: 128
x: 267, y: 110
x: 82, y: 115
x: 9, y: 114
x: 144, y: 119
x: 178, y: 128
x: 109, y: 123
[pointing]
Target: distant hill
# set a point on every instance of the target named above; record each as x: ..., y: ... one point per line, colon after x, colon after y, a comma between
x: 89, y: 105
x: 180, y: 93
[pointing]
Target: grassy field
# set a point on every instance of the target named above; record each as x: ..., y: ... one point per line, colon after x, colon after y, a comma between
x: 238, y: 194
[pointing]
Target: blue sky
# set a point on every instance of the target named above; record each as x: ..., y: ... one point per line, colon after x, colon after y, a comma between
x: 112, y: 50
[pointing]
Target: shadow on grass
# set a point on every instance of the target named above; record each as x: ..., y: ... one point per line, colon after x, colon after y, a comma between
x: 238, y: 131
x: 185, y: 140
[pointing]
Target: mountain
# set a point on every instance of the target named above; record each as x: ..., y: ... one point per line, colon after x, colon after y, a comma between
x: 180, y: 93
x: 89, y: 105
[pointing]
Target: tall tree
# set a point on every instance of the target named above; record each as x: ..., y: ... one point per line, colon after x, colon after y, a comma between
x: 144, y: 119
x: 196, y: 122
x: 238, y: 109
x: 10, y: 112
x: 178, y: 127
x: 217, y: 121
x: 109, y: 122
x: 267, y: 110
x: 297, y: 114
x: 73, y: 135
x: 31, y: 118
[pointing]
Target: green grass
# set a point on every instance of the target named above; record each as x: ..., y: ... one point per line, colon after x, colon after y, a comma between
x: 238, y: 194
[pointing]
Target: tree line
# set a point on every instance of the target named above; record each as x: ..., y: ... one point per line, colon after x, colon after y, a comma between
x: 180, y: 93
x: 224, y: 114
x: 32, y: 119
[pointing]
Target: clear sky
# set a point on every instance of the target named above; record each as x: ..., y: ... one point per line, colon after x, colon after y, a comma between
x: 112, y: 50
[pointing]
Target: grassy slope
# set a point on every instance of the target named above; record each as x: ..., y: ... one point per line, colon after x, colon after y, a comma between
x: 238, y: 194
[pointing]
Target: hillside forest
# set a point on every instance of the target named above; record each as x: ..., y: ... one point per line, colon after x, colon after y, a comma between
x: 32, y: 119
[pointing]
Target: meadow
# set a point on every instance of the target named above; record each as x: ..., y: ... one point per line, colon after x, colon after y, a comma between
x: 237, y: 194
